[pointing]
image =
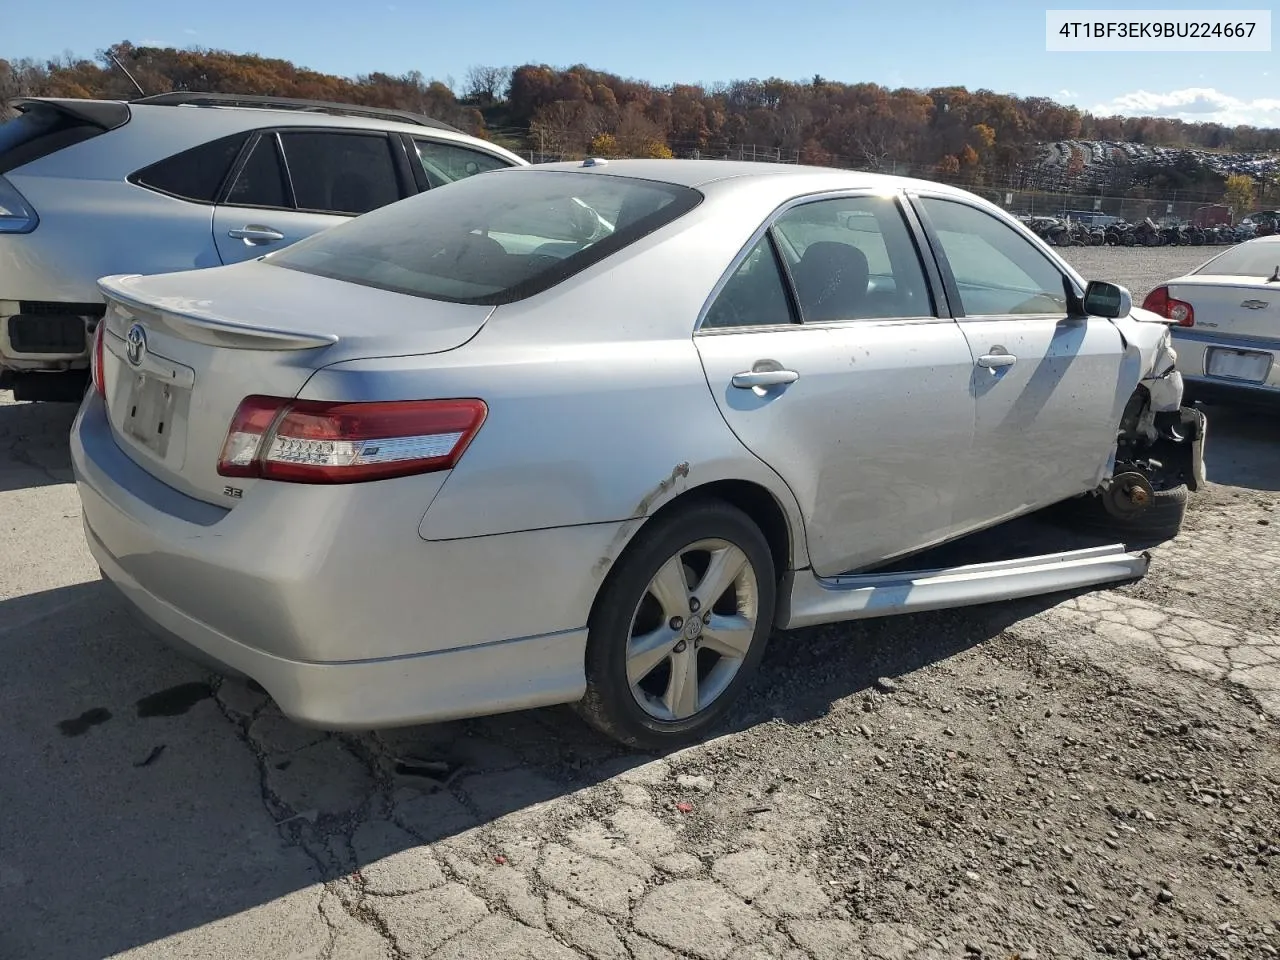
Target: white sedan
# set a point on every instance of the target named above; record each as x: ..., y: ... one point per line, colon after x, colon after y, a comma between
x: 587, y: 433
x: 1226, y: 317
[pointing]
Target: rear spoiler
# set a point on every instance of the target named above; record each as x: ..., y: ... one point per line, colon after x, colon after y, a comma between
x: 104, y: 114
x: 202, y: 327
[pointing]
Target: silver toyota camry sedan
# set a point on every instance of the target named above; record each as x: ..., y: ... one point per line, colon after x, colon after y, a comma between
x: 586, y: 433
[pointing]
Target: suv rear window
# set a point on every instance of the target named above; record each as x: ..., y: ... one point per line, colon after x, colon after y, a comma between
x: 492, y: 239
x: 194, y: 174
x: 39, y: 132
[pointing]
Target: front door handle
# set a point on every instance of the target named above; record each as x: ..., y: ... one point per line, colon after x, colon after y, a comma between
x: 750, y: 379
x: 254, y: 234
x: 993, y: 361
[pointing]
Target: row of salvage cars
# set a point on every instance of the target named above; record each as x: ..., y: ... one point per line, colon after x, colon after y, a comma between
x: 581, y: 432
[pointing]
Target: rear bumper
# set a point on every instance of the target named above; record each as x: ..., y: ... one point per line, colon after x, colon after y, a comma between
x: 363, y: 694
x: 1193, y: 348
x: 1220, y: 390
x: 46, y: 336
x: 333, y: 603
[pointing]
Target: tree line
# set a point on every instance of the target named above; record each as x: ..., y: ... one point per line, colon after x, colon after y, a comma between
x: 953, y: 133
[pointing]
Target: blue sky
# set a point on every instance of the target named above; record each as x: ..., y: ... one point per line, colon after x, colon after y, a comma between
x: 998, y: 44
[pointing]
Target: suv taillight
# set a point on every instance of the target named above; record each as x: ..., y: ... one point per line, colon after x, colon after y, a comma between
x: 1179, y: 311
x: 95, y: 358
x: 16, y: 215
x: 310, y: 441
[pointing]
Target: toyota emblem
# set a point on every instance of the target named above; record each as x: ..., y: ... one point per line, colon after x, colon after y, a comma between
x: 135, y: 344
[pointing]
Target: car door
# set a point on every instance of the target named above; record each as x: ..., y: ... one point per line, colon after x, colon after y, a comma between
x: 293, y: 183
x: 829, y: 361
x: 1047, y: 383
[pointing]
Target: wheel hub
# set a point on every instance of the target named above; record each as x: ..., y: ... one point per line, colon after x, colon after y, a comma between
x: 1128, y: 495
x: 683, y: 652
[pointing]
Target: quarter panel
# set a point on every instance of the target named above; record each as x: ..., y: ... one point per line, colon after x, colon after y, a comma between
x: 92, y: 228
x: 586, y: 434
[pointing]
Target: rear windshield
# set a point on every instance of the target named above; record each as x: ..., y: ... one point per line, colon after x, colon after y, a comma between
x: 1256, y: 259
x: 39, y: 132
x: 493, y: 238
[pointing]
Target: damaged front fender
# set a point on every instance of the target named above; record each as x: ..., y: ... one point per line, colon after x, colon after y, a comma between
x: 1163, y: 380
x: 1158, y: 435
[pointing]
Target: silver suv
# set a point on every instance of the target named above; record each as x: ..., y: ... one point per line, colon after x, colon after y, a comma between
x: 181, y: 181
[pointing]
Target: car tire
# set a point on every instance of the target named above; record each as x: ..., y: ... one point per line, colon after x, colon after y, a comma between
x: 1161, y: 521
x: 649, y: 707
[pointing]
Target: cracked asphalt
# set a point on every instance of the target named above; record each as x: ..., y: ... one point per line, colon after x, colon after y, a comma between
x: 1066, y: 776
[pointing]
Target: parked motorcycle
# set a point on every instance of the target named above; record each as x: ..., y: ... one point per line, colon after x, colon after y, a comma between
x: 1148, y: 234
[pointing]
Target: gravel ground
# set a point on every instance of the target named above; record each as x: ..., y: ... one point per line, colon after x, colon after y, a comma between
x: 1058, y: 777
x: 1138, y: 268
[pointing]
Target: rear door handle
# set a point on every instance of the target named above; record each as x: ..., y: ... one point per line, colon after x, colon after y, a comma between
x: 993, y: 361
x: 750, y: 379
x: 254, y: 233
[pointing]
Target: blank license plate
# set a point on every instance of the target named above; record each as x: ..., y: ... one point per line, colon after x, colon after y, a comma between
x: 1239, y: 364
x: 149, y: 418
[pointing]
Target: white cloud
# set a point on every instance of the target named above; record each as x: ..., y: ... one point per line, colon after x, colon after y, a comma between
x: 1065, y: 95
x: 1194, y: 104
x: 189, y: 32
x: 153, y: 43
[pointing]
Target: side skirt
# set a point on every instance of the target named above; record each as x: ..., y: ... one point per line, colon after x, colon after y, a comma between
x: 808, y: 600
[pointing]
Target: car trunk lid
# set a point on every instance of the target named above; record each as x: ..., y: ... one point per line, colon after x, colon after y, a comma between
x: 181, y: 351
x: 1237, y: 306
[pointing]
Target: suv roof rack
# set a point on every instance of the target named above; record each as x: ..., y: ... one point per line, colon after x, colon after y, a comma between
x: 187, y: 98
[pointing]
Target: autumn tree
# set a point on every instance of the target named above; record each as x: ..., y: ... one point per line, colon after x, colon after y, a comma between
x: 564, y: 110
x: 948, y: 165
x: 1239, y: 193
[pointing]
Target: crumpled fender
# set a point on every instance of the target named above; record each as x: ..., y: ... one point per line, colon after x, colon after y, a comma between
x: 1147, y: 335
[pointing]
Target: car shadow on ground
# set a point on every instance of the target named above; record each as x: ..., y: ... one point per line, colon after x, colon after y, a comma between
x: 33, y: 444
x: 1242, y: 447
x: 145, y: 798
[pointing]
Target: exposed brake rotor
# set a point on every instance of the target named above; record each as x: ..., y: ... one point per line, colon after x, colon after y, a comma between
x: 1127, y: 495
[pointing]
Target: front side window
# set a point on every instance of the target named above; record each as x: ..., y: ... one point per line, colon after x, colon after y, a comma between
x: 852, y: 258
x: 494, y: 239
x: 446, y: 162
x: 343, y: 173
x: 755, y: 295
x: 997, y: 270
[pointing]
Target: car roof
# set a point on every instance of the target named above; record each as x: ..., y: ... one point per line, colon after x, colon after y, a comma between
x: 259, y: 101
x: 703, y: 173
x: 273, y: 111
x: 283, y: 117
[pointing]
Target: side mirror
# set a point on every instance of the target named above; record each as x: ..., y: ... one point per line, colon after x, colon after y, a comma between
x: 1104, y: 299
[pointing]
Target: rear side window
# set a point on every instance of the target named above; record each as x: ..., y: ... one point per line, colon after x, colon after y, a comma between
x: 194, y: 174
x: 493, y: 239
x: 260, y: 182
x: 755, y: 295
x: 38, y: 133
x: 346, y: 173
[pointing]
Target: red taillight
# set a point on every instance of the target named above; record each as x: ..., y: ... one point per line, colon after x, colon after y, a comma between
x: 310, y: 441
x: 95, y: 359
x: 1179, y: 311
